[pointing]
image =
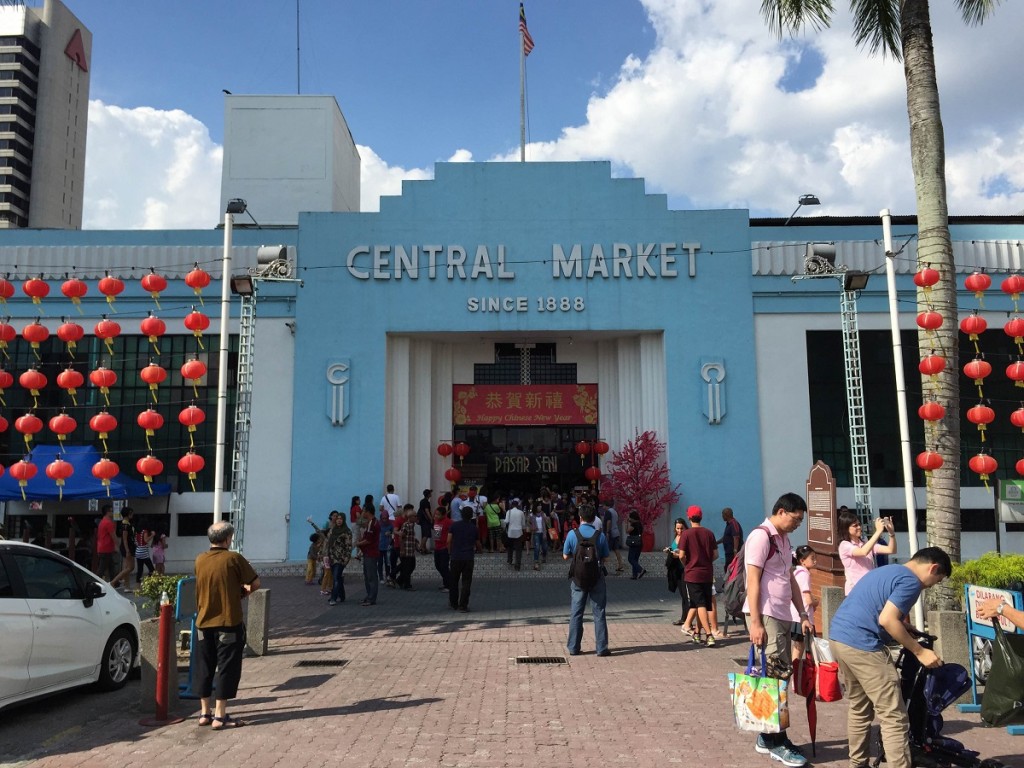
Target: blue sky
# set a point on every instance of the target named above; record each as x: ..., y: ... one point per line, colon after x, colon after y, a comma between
x: 697, y: 98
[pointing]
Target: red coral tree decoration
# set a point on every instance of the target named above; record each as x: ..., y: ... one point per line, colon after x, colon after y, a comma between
x: 637, y: 478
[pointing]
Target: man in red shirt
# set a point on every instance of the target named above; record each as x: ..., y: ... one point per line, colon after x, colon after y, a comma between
x: 698, y: 549
x: 369, y: 545
x: 106, y: 544
x: 440, y: 538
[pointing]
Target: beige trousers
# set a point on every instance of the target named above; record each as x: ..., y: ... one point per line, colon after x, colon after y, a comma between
x: 873, y: 688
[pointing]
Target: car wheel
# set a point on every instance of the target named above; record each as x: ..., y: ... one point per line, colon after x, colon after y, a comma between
x: 116, y: 663
x: 982, y: 659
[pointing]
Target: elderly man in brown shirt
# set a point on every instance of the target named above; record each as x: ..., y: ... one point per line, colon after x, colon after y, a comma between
x: 223, y: 579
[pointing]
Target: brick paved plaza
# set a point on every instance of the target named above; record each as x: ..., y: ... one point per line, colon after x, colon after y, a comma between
x: 425, y: 686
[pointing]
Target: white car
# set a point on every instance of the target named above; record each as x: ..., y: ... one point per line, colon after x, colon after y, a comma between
x: 62, y: 626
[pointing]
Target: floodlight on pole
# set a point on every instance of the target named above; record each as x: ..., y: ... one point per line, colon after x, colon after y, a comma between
x: 235, y: 206
x: 801, y: 202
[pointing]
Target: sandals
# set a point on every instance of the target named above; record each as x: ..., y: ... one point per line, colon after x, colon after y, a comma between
x: 220, y: 723
x: 205, y: 718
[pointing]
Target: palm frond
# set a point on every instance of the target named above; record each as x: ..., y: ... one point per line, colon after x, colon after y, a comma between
x: 974, y: 12
x: 876, y: 23
x: 791, y: 16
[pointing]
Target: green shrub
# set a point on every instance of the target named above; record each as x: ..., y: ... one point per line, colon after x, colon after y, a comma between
x: 155, y: 585
x: 990, y: 570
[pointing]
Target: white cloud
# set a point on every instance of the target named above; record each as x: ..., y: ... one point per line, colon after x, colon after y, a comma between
x: 149, y: 169
x: 702, y: 117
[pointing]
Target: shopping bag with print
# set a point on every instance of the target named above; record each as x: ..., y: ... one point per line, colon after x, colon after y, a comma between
x: 759, y: 704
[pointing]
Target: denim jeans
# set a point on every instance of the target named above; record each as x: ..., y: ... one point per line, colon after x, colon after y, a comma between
x: 382, y: 565
x: 540, y: 545
x: 598, y: 598
x: 337, y: 573
x: 370, y: 578
x: 634, y: 560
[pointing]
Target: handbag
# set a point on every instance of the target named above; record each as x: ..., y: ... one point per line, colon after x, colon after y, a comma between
x: 759, y: 704
x: 553, y: 533
x: 827, y: 685
x: 634, y: 541
x: 805, y: 674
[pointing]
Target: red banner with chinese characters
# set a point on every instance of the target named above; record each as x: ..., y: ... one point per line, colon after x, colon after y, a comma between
x: 495, y: 405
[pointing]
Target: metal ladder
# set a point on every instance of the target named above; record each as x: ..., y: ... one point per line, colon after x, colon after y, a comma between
x: 243, y: 411
x: 855, y: 407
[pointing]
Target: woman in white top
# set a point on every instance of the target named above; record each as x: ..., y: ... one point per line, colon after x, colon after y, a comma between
x: 856, y: 554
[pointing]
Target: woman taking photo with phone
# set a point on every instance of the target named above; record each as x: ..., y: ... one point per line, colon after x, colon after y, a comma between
x: 858, y: 554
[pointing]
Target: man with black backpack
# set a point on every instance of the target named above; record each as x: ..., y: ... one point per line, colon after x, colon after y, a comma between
x: 587, y: 549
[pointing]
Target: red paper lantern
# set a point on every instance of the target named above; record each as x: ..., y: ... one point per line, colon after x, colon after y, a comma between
x: 3, y: 428
x: 6, y: 290
x: 35, y: 333
x: 197, y: 279
x: 197, y: 322
x: 155, y: 284
x: 33, y: 381
x: 23, y: 471
x: 593, y: 474
x: 59, y: 470
x: 149, y: 466
x: 37, y: 288
x: 28, y: 425
x: 7, y: 335
x: 70, y: 380
x: 981, y: 415
x: 461, y: 450
x: 978, y: 282
x: 110, y: 287
x: 105, y: 470
x: 1020, y: 467
x: 104, y: 378
x: 62, y: 425
x: 984, y: 465
x: 929, y: 320
x: 1012, y: 285
x: 191, y: 464
x: 601, y: 447
x: 973, y: 325
x: 193, y: 370
x: 103, y: 424
x: 1015, y: 328
x: 191, y: 417
x: 150, y: 421
x: 107, y: 330
x: 929, y: 461
x: 154, y: 328
x: 1016, y: 418
x: 70, y: 333
x: 74, y: 289
x: 932, y: 365
x: 445, y: 450
x: 1015, y: 372
x: 6, y: 382
x: 926, y: 278
x: 153, y: 375
x: 452, y: 475
x: 931, y: 411
x: 977, y: 369
x: 582, y: 448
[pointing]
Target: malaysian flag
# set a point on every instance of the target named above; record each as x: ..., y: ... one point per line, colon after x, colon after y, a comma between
x: 527, y: 40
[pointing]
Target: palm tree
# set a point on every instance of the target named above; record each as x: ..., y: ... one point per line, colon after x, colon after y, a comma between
x: 902, y: 28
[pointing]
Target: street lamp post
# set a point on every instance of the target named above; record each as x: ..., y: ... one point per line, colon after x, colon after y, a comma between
x: 233, y: 207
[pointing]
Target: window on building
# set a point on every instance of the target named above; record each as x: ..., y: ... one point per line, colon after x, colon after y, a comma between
x: 525, y: 364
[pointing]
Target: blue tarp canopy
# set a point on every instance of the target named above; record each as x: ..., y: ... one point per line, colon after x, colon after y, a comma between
x: 81, y: 485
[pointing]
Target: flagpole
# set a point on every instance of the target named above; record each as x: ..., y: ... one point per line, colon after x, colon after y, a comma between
x: 522, y: 94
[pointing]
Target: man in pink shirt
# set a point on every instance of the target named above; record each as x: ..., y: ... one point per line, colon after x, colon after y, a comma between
x: 772, y: 594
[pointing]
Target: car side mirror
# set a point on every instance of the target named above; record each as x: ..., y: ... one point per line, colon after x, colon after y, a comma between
x: 93, y: 589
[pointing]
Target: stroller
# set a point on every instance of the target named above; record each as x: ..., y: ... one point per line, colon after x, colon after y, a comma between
x: 928, y: 692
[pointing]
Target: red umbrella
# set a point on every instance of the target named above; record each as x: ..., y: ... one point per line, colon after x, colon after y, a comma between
x: 803, y: 684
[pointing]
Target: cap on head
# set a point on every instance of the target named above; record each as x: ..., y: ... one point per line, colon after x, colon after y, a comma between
x: 694, y: 513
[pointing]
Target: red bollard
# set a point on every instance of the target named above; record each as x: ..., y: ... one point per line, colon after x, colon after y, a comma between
x: 164, y: 665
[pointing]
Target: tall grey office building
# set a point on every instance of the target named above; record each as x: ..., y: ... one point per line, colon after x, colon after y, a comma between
x: 44, y: 111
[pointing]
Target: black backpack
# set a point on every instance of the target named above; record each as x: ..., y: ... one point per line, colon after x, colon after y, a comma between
x: 734, y: 593
x: 585, y: 568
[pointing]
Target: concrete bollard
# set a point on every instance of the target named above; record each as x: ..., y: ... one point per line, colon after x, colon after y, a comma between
x: 149, y: 639
x: 950, y: 627
x: 257, y: 628
x: 831, y: 599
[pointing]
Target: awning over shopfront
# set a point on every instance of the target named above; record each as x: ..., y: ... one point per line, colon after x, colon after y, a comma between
x: 81, y: 485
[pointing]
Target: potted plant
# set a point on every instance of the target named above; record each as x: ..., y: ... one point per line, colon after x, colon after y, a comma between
x: 637, y: 478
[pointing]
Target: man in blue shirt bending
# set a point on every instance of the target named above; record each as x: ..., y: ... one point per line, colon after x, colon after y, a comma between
x: 587, y: 548
x: 871, y: 616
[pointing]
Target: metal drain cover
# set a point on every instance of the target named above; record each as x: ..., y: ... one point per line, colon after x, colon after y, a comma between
x: 541, y: 660
x: 321, y: 663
